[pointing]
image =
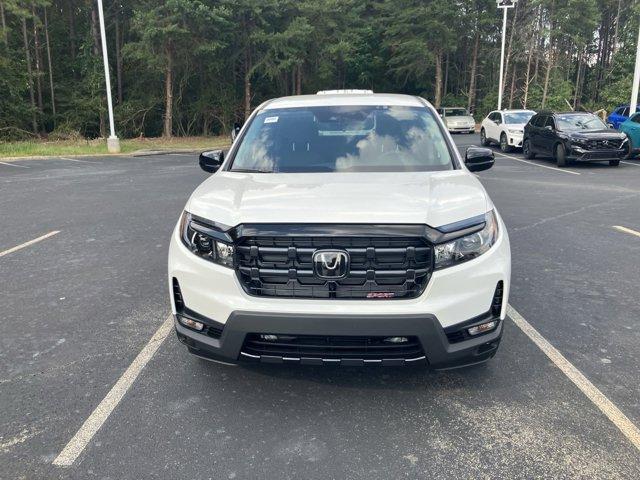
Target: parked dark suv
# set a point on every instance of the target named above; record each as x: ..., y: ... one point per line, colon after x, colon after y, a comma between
x: 578, y: 136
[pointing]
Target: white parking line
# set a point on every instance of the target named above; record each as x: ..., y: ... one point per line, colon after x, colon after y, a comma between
x: 537, y: 164
x: 630, y: 163
x: 94, y: 422
x: 14, y: 165
x: 627, y: 230
x: 619, y: 419
x: 90, y: 427
x: 30, y: 242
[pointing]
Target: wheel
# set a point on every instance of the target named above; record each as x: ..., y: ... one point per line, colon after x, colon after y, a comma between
x: 526, y: 150
x: 614, y: 163
x: 504, y: 143
x: 483, y: 138
x: 561, y: 155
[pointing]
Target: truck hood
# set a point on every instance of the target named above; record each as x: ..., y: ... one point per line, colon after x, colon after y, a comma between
x: 608, y: 134
x: 432, y: 198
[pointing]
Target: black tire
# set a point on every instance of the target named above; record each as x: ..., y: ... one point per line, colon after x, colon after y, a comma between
x: 560, y: 155
x: 614, y: 163
x: 483, y: 138
x: 504, y: 143
x: 526, y: 150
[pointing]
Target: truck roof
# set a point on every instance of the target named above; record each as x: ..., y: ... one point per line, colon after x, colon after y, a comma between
x: 337, y: 99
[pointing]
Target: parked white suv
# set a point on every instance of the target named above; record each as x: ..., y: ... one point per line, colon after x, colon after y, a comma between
x: 505, y: 127
x: 341, y: 229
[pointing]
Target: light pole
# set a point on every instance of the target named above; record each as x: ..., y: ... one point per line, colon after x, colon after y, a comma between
x: 504, y: 5
x: 113, y: 143
x: 636, y: 80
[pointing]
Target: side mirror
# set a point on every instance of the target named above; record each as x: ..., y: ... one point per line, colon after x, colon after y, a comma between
x: 478, y: 159
x: 211, y: 161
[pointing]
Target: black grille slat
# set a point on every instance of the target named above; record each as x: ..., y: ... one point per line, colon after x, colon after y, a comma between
x: 605, y: 144
x: 332, y: 347
x: 381, y: 267
x: 214, y: 332
x: 284, y: 345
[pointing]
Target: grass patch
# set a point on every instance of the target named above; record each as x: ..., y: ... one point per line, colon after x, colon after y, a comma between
x: 36, y: 148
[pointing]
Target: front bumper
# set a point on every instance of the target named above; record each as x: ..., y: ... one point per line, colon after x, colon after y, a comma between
x: 582, y: 155
x: 515, y: 140
x: 462, y: 129
x: 452, y: 297
x: 439, y: 352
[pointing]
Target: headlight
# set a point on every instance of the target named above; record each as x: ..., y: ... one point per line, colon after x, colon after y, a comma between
x: 515, y: 132
x: 201, y: 240
x: 468, y: 247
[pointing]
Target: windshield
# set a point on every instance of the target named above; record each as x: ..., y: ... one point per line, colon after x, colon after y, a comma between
x: 455, y: 112
x: 343, y: 139
x: 518, y: 117
x: 580, y: 122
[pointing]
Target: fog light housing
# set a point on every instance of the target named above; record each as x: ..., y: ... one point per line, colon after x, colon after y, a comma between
x: 396, y: 340
x: 268, y: 337
x: 190, y: 323
x: 482, y: 328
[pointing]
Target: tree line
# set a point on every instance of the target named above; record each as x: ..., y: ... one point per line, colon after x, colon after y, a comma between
x: 194, y: 67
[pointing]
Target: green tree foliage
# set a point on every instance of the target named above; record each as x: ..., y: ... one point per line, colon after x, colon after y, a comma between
x: 418, y: 34
x: 187, y: 67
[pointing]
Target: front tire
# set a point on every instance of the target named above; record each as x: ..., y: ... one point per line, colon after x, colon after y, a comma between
x: 504, y: 143
x: 561, y: 156
x: 526, y: 150
x: 614, y: 163
x: 483, y: 138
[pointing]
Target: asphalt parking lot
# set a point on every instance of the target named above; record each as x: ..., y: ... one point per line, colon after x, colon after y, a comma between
x: 81, y: 304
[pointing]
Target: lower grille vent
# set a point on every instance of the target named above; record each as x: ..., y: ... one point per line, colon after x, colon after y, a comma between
x: 496, y: 303
x: 177, y: 295
x: 332, y: 347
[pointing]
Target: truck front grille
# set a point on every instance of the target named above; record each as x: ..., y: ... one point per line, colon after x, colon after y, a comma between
x: 381, y: 267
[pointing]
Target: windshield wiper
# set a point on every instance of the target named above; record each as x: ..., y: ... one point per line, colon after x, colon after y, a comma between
x: 250, y: 170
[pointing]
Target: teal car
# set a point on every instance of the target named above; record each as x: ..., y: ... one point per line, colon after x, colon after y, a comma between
x: 632, y: 128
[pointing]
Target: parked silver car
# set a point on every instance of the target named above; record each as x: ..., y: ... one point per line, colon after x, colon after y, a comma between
x: 457, y: 119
